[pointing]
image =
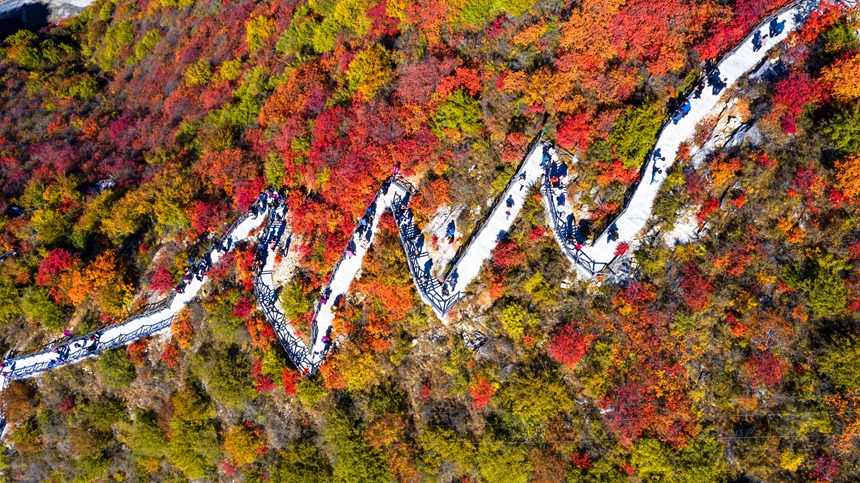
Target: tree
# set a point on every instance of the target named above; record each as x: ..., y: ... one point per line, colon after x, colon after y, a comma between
x: 826, y: 293
x: 193, y: 445
x: 258, y: 30
x: 147, y: 439
x: 500, y: 462
x: 533, y: 400
x: 36, y: 304
x: 482, y: 391
x: 242, y: 445
x: 844, y: 78
x: 296, y: 300
x: 302, y: 462
x: 19, y: 398
x: 843, y: 129
x: 569, y: 345
x: 357, y: 461
x: 848, y: 176
x: 369, y: 71
x: 459, y: 115
x: 840, y: 362
x: 116, y: 369
x: 652, y: 461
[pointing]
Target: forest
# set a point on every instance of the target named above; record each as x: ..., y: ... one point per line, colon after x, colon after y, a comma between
x: 134, y: 133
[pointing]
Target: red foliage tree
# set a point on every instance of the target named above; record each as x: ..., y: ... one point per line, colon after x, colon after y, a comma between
x: 161, y: 280
x: 291, y: 378
x: 170, y: 354
x: 616, y: 172
x: 696, y: 289
x: 569, y: 345
x: 55, y: 261
x: 766, y: 370
x: 482, y: 392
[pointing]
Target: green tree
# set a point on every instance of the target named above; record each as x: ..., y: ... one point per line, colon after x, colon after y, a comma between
x: 147, y: 439
x: 634, y: 133
x: 150, y: 39
x: 843, y: 129
x: 460, y: 114
x: 702, y: 460
x: 227, y: 375
x: 193, y: 446
x: 37, y: 304
x: 501, y: 462
x: 10, y: 307
x: 357, y: 461
x: 840, y: 362
x: 302, y: 462
x: 115, y: 368
x: 310, y: 391
x: 443, y: 445
x: 826, y: 293
x: 652, y: 461
x: 295, y: 301
x: 370, y: 70
x: 533, y: 400
x: 257, y: 31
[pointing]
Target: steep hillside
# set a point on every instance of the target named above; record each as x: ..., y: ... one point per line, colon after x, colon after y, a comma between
x: 135, y: 133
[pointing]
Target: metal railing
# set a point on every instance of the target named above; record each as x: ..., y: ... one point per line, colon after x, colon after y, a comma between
x: 561, y: 226
x: 429, y: 286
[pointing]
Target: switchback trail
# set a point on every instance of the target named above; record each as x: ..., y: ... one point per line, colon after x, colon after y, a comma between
x: 544, y: 162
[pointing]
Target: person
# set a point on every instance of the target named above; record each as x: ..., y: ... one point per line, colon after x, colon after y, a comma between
x: 700, y: 87
x: 349, y: 253
x: 560, y: 200
x: 510, y: 201
x: 444, y: 290
x: 396, y: 168
x: 508, y: 215
x: 757, y: 42
x: 776, y: 27
x: 325, y: 339
x: 658, y: 169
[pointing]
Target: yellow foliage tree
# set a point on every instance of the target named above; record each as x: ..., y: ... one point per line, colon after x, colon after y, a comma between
x: 848, y: 174
x: 844, y: 77
x: 370, y: 70
x: 242, y: 445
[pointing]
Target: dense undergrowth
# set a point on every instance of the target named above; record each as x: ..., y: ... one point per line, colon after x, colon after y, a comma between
x: 732, y: 358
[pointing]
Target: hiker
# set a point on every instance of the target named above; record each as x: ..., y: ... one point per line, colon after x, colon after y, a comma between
x: 658, y: 169
x: 510, y: 201
x: 700, y: 87
x: 757, y: 41
x: 450, y: 230
x: 560, y: 200
x: 508, y: 215
x: 444, y: 290
x: 66, y: 333
x: 776, y: 27
x: 396, y: 168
